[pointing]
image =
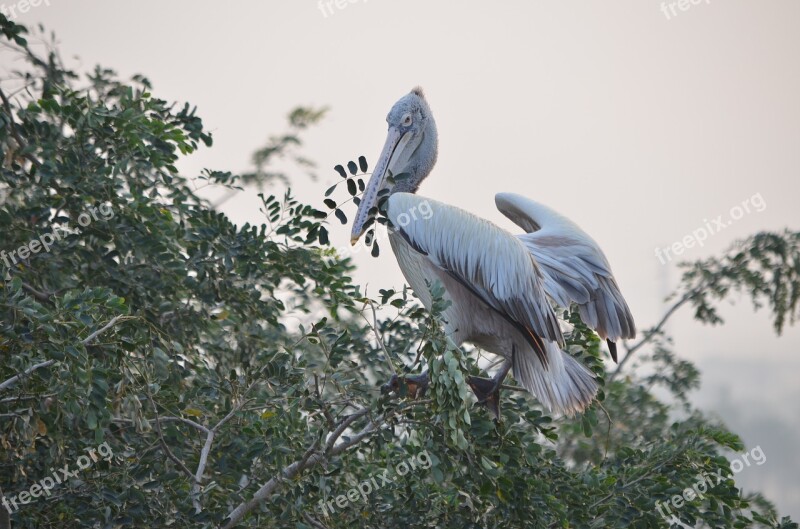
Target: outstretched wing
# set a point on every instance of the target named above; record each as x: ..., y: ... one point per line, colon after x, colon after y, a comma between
x: 490, y: 262
x: 574, y: 267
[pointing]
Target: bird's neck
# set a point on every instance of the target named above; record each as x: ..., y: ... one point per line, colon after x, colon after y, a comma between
x: 421, y: 164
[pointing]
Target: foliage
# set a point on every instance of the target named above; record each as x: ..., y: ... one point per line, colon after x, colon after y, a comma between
x: 765, y: 265
x: 235, y: 372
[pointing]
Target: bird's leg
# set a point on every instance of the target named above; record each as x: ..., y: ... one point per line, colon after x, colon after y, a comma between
x: 487, y: 390
x: 416, y: 385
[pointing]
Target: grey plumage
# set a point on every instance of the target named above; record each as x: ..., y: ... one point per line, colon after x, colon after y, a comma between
x: 574, y: 267
x: 500, y: 285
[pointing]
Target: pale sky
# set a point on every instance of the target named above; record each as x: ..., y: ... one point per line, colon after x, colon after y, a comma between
x: 639, y: 125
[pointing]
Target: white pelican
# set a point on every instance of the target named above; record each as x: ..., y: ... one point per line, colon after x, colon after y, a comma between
x: 500, y: 286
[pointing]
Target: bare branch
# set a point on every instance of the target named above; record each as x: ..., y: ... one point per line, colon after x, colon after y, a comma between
x: 230, y: 415
x: 41, y: 296
x: 27, y: 397
x: 13, y: 380
x: 310, y: 459
x: 201, y: 465
x: 187, y: 421
x: 103, y: 329
x: 342, y: 427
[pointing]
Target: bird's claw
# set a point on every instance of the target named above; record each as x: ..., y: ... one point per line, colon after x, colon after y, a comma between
x: 416, y: 385
x: 487, y: 391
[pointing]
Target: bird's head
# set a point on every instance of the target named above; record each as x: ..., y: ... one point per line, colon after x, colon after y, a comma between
x: 409, y: 152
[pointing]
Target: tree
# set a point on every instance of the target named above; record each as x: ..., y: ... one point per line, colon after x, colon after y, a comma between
x: 162, y: 367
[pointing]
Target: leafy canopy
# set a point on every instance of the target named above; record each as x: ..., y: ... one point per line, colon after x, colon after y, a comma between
x: 235, y: 371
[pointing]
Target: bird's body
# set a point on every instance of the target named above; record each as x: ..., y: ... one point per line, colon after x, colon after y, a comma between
x: 500, y: 286
x: 496, y: 293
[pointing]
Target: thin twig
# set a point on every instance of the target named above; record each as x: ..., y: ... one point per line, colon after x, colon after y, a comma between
x: 621, y: 488
x: 100, y: 331
x: 649, y: 335
x: 41, y: 296
x: 27, y: 397
x: 187, y: 421
x: 629, y: 484
x: 313, y: 521
x: 15, y: 133
x: 169, y: 419
x: 163, y: 443
x: 378, y: 335
x: 13, y: 380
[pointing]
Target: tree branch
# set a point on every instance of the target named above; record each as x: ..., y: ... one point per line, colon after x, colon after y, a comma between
x: 163, y: 443
x: 374, y: 326
x: 316, y: 524
x: 310, y: 459
x: 15, y: 133
x: 13, y: 380
x: 103, y: 329
x: 650, y: 334
x: 186, y: 421
x: 41, y: 296
x: 201, y: 465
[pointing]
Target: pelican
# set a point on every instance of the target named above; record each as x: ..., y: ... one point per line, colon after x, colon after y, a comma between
x: 502, y: 288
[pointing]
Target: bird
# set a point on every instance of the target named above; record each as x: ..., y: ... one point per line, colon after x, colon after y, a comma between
x: 503, y: 289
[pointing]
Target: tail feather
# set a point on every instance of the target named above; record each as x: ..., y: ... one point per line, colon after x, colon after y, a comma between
x: 564, y: 386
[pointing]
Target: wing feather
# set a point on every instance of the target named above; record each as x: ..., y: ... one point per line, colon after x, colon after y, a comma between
x: 490, y: 262
x: 574, y: 267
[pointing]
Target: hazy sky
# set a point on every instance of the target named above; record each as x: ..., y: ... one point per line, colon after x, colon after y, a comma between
x: 639, y: 125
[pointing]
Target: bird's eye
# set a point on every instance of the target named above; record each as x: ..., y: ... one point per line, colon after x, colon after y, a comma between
x: 407, y: 120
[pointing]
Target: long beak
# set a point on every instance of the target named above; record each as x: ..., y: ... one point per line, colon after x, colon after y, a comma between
x: 396, y: 143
